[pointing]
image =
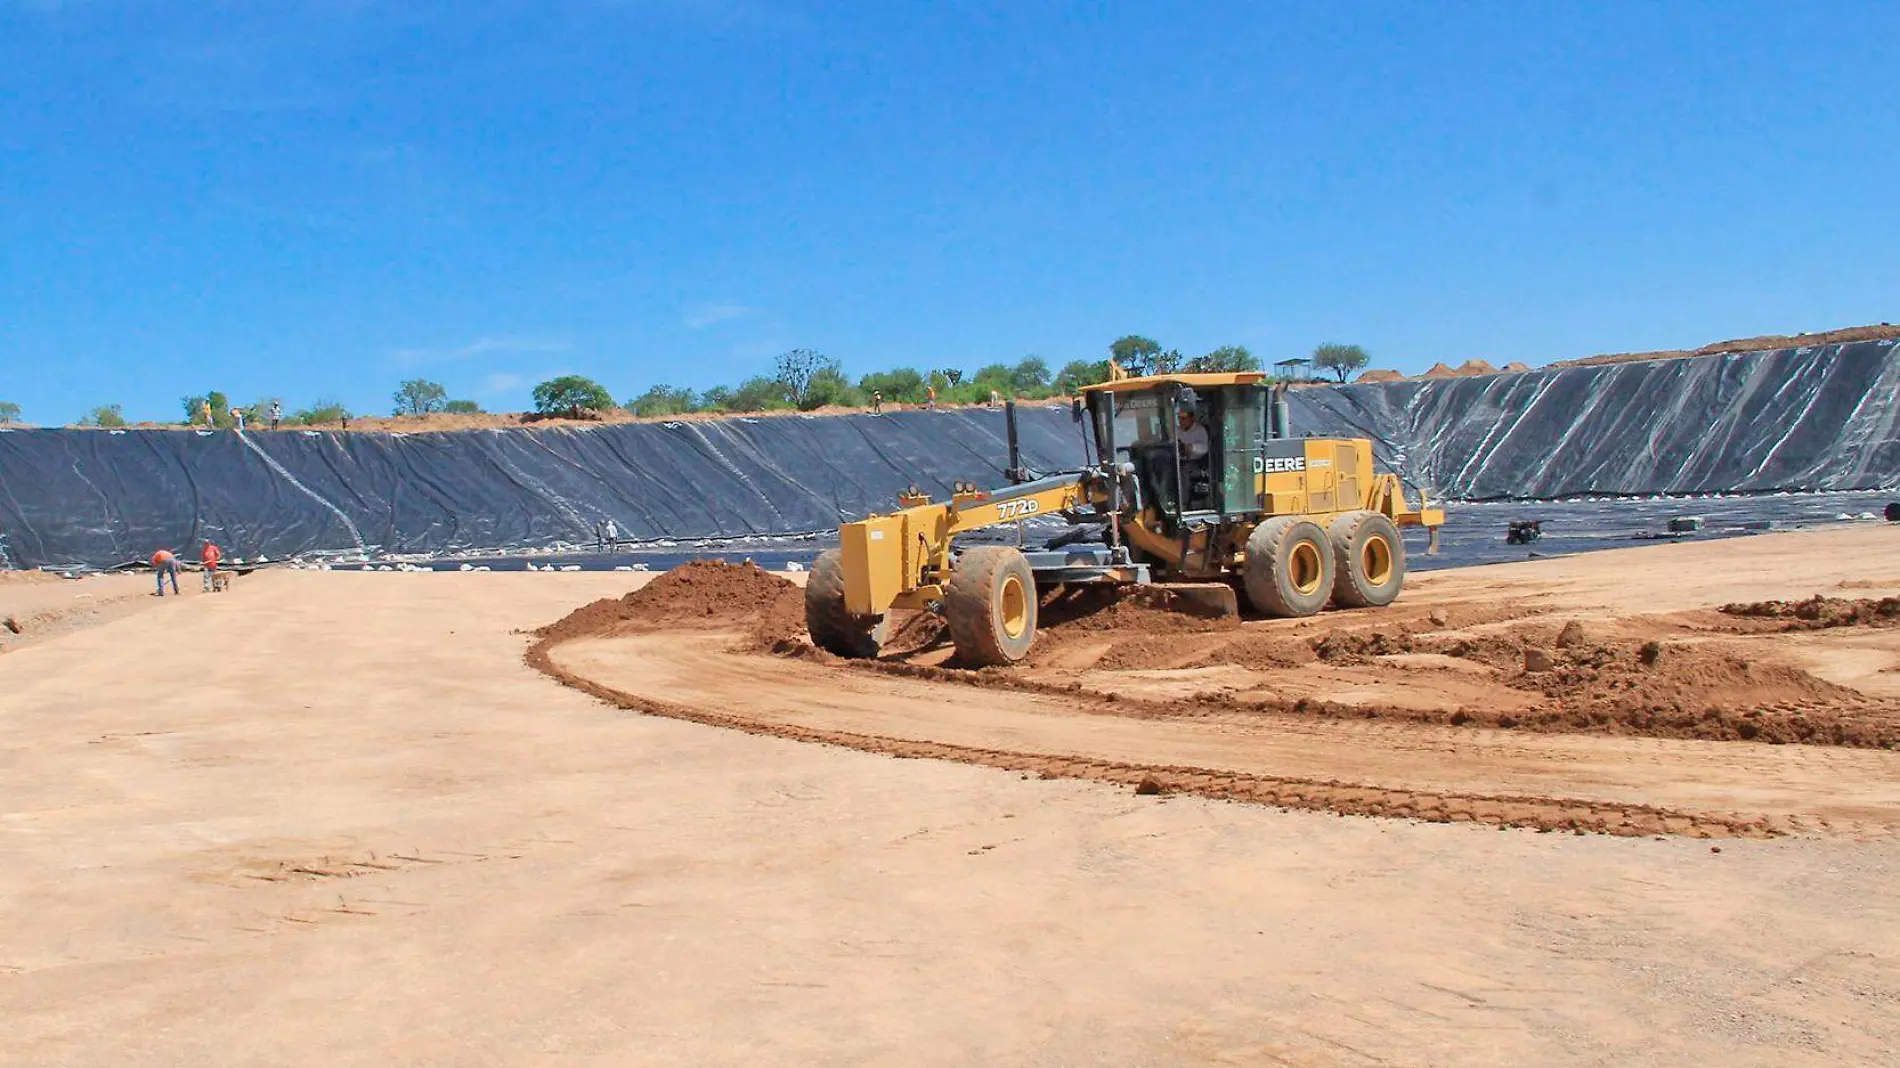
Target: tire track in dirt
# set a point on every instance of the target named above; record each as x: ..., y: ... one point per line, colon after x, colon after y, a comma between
x: 1345, y: 798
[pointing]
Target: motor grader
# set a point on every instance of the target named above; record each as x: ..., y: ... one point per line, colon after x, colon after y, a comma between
x: 1193, y: 479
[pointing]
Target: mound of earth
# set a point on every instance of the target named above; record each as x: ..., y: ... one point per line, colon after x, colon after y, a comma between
x: 1380, y: 375
x: 1476, y: 367
x: 1820, y: 613
x: 698, y: 595
x: 1516, y: 367
x: 1763, y: 343
x: 1439, y: 370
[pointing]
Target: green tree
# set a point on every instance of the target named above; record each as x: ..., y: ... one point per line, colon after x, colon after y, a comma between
x: 1341, y: 360
x: 571, y: 394
x: 794, y: 371
x: 462, y: 407
x: 323, y: 412
x: 419, y: 396
x: 220, y: 410
x: 661, y: 400
x: 716, y: 399
x: 758, y: 394
x: 1136, y: 354
x: 1031, y: 376
x: 829, y: 386
x: 1078, y: 373
x: 110, y: 416
x: 1227, y: 359
x: 997, y: 376
x: 9, y: 412
x: 903, y: 385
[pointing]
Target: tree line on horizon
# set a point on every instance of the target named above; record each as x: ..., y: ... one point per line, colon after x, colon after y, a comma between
x: 801, y: 380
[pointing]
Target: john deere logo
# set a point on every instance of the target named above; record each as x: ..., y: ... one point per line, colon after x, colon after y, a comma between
x: 1273, y: 465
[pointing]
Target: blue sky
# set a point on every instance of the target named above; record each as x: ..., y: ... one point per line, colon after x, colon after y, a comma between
x: 319, y: 198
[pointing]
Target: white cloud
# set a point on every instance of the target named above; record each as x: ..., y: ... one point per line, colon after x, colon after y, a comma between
x: 501, y: 382
x: 485, y: 346
x: 701, y: 316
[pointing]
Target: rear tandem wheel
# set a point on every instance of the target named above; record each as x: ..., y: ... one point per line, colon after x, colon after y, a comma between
x: 1289, y: 567
x: 1368, y: 560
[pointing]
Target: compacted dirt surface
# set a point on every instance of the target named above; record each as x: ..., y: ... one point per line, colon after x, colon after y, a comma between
x: 35, y: 606
x: 339, y: 818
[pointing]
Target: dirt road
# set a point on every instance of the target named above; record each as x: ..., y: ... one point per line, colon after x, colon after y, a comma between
x: 333, y: 818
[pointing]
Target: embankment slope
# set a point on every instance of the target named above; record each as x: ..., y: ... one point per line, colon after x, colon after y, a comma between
x: 1816, y: 418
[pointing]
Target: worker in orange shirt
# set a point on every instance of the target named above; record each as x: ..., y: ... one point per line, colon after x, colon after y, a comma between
x: 165, y: 562
x: 210, y: 557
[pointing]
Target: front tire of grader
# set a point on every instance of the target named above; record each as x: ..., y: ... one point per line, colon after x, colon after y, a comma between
x: 831, y: 626
x: 990, y: 606
x: 1289, y: 567
x: 1368, y: 560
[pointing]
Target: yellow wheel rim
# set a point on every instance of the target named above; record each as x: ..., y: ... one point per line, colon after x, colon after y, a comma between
x: 1303, y: 566
x: 1014, y: 601
x: 1375, y: 560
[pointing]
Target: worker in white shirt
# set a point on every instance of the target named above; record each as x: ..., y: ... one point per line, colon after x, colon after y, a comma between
x: 1192, y: 436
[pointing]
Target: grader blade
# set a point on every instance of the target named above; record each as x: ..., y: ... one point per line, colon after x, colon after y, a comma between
x: 1205, y: 600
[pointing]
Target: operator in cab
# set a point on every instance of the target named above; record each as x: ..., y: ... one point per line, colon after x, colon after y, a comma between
x: 1192, y: 436
x: 1191, y: 439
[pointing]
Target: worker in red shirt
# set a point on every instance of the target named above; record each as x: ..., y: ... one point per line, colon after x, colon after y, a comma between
x: 210, y: 557
x: 165, y: 562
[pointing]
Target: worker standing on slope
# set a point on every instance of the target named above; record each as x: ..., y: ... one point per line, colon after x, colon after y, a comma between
x: 165, y: 562
x: 237, y: 416
x: 276, y: 413
x: 209, y: 557
x: 204, y: 408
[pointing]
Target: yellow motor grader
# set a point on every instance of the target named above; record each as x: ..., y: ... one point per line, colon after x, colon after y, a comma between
x: 1194, y: 479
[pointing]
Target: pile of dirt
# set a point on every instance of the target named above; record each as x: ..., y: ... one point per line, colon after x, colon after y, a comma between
x: 699, y: 595
x: 1475, y: 367
x: 1763, y: 343
x: 1439, y: 370
x: 1515, y: 367
x: 1821, y: 613
x: 1077, y: 610
x: 915, y: 633
x: 1340, y: 646
x: 1378, y: 374
x: 1258, y: 651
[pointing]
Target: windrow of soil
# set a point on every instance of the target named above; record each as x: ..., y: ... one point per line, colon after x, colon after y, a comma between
x: 1566, y: 678
x: 717, y: 596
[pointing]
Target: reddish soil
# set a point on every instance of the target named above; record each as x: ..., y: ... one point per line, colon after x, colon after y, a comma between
x: 700, y: 595
x: 1820, y: 613
x: 1687, y: 686
x: 1477, y: 657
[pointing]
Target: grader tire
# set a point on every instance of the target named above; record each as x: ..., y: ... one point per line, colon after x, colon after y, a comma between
x: 1368, y: 560
x: 832, y: 628
x: 1289, y: 567
x: 990, y: 606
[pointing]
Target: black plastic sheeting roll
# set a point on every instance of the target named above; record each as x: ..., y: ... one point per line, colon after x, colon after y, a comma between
x: 1822, y: 418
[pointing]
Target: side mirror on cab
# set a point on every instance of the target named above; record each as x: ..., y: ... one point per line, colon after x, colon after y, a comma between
x: 1075, y: 410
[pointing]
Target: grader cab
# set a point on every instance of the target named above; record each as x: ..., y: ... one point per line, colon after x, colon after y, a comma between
x: 1193, y: 479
